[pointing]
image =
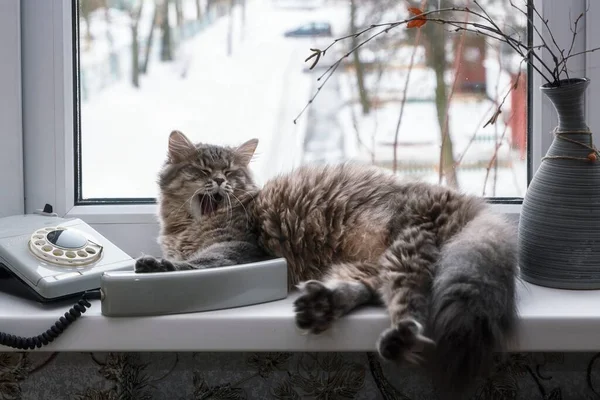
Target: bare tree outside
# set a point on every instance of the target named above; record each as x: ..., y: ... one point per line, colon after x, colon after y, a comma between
x: 86, y: 8
x: 414, y: 101
x: 436, y: 56
x: 135, y: 12
x: 198, y: 10
x: 178, y: 12
x: 166, y: 53
x: 150, y: 39
x: 359, y: 66
x: 449, y: 56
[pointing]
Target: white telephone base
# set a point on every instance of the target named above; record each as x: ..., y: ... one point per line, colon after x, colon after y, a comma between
x: 51, y: 258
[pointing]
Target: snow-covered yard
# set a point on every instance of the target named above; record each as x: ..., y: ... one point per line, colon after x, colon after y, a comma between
x: 257, y: 91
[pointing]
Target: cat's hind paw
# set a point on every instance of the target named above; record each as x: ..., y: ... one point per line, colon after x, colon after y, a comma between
x: 149, y: 264
x: 404, y: 342
x: 315, y: 308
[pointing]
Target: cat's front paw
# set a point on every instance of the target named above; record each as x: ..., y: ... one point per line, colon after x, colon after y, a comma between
x: 404, y: 342
x: 150, y: 264
x: 315, y: 308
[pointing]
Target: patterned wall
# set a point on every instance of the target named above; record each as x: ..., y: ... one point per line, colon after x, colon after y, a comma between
x: 284, y: 376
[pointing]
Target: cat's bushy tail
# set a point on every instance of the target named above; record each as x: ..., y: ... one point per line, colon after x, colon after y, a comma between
x: 473, y: 310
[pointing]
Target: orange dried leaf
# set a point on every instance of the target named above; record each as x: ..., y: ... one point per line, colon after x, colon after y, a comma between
x: 417, y: 22
x: 415, y: 10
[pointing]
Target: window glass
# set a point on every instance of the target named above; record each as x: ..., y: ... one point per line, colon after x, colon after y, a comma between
x: 415, y: 101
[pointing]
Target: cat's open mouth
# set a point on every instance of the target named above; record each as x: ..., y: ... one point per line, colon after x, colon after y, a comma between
x: 209, y: 203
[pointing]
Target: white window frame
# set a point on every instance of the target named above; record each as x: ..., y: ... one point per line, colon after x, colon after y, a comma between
x: 48, y: 115
x: 11, y: 138
x: 593, y: 70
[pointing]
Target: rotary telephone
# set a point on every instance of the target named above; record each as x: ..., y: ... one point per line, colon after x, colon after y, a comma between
x: 47, y: 258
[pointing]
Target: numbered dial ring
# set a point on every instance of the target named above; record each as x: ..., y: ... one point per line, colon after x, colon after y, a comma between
x: 63, y: 246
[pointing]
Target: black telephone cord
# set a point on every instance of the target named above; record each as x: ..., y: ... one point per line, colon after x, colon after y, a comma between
x: 22, y: 343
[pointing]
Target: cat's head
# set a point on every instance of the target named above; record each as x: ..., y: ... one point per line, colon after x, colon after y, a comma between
x: 204, y: 177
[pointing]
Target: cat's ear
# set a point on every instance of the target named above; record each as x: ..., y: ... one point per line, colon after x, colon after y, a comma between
x: 245, y: 152
x: 180, y: 147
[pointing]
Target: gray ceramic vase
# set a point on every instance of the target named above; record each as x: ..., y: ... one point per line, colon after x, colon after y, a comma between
x: 559, y: 228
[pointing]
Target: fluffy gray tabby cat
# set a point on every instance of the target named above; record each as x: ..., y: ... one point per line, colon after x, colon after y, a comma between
x: 441, y: 262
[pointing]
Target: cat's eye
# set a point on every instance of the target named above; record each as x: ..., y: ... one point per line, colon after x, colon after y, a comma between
x: 228, y: 172
x: 205, y: 171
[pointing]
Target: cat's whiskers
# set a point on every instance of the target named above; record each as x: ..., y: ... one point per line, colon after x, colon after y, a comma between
x: 229, y: 209
x: 225, y: 192
x: 184, y: 203
x: 242, y: 204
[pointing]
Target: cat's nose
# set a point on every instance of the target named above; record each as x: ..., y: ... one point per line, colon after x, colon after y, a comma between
x: 218, y: 181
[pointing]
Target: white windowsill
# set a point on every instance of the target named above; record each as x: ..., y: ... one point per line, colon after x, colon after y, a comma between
x: 551, y: 320
x: 147, y: 213
x: 115, y: 214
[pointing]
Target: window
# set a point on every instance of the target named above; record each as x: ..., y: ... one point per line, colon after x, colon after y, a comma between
x: 224, y: 71
x: 219, y: 73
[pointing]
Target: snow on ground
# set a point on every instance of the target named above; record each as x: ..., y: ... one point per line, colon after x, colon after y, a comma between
x: 257, y: 92
x: 223, y: 100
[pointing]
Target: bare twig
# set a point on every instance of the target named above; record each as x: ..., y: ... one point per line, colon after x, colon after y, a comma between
x: 386, y: 27
x: 512, y: 87
x: 317, y: 53
x: 544, y: 44
x: 533, y: 8
x: 574, y: 31
x: 563, y: 63
x: 515, y: 44
x: 474, y: 135
x: 401, y: 114
x: 494, y: 158
x: 531, y: 54
x: 330, y: 71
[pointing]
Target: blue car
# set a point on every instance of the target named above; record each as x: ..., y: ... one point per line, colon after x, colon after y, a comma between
x: 311, y: 29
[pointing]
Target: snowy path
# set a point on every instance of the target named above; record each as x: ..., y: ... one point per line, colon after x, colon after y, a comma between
x: 256, y: 92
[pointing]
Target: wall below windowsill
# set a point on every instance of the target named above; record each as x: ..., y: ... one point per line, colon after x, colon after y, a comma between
x: 551, y: 320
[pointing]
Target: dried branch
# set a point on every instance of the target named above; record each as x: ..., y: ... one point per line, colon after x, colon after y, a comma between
x: 494, y: 158
x: 574, y: 30
x: 474, y: 135
x: 330, y: 71
x: 546, y: 24
x: 519, y: 50
x: 403, y: 102
x: 544, y: 44
x: 531, y: 54
x: 514, y: 86
x: 564, y: 63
